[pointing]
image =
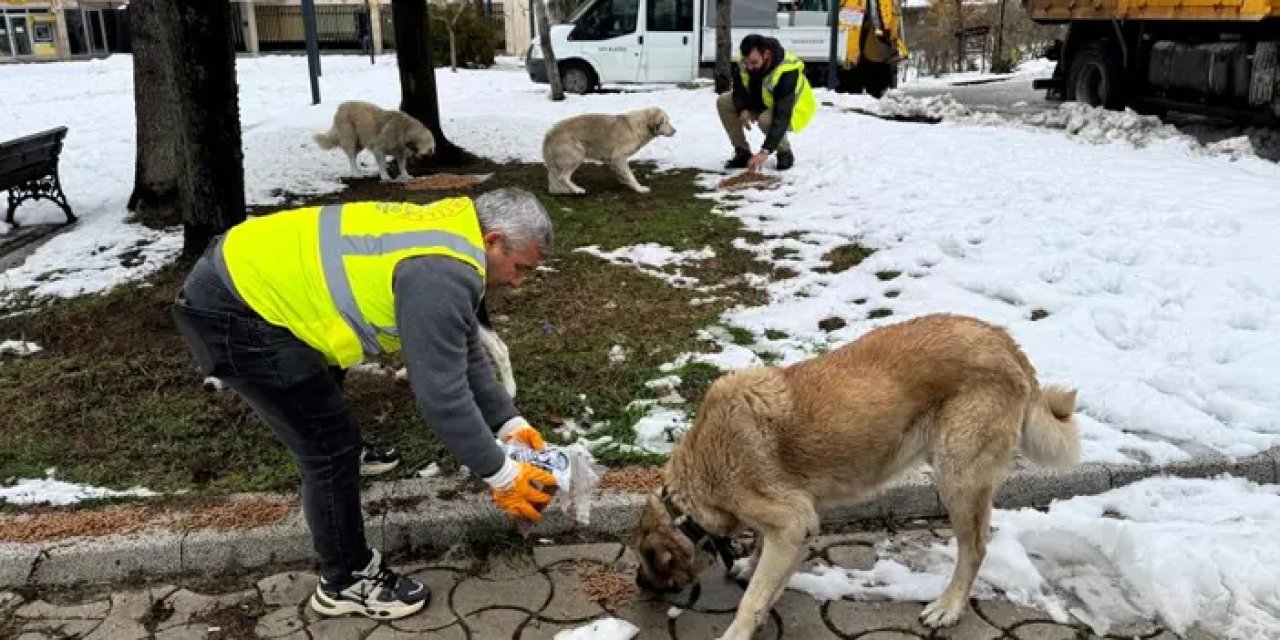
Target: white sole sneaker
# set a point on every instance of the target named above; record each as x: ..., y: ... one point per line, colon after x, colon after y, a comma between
x: 326, y: 606
x: 377, y: 468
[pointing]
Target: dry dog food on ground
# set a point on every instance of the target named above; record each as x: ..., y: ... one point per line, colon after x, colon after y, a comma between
x: 632, y: 479
x: 442, y: 181
x: 747, y: 179
x: 605, y: 586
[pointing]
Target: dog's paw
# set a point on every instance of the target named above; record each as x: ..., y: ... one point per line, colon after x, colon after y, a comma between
x: 641, y: 189
x: 942, y: 612
x: 743, y: 569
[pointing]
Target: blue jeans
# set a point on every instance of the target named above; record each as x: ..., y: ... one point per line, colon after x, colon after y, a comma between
x: 294, y: 390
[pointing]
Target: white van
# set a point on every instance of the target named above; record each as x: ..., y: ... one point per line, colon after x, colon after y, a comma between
x: 672, y: 41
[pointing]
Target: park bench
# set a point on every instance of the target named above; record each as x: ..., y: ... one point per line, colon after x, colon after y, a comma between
x: 29, y: 170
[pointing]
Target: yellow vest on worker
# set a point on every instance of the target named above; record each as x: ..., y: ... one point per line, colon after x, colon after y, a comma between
x: 806, y: 104
x: 325, y: 273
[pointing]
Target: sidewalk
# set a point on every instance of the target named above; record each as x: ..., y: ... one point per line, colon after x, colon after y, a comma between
x: 525, y: 597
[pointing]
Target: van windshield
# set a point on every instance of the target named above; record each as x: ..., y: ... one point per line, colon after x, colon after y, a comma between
x: 577, y: 13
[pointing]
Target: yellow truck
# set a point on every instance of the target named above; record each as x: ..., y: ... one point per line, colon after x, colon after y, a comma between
x: 1213, y: 57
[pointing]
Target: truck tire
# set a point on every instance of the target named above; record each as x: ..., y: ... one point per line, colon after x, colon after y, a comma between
x: 577, y: 77
x: 878, y: 77
x: 1094, y: 77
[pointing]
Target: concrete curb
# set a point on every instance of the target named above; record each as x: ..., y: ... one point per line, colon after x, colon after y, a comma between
x: 416, y: 516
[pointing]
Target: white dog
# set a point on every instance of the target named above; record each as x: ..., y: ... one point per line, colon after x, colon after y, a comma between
x: 611, y: 139
x: 363, y: 125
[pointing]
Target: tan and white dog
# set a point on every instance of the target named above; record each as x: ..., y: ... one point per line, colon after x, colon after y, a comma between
x: 773, y: 447
x: 611, y: 139
x: 363, y: 125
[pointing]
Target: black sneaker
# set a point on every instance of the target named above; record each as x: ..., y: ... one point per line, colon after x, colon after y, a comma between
x: 376, y: 460
x: 786, y: 160
x: 741, y: 158
x: 377, y: 592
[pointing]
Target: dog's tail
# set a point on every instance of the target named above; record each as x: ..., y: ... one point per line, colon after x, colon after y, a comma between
x: 1049, y: 433
x: 326, y: 140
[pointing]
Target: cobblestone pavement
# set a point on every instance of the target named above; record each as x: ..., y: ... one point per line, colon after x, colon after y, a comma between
x: 527, y: 597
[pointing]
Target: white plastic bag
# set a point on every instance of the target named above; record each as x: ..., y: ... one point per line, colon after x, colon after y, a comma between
x: 574, y: 471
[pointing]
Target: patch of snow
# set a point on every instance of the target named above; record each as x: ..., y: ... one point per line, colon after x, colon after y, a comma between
x: 602, y: 629
x: 430, y: 471
x: 617, y: 355
x: 651, y: 259
x: 19, y: 348
x: 49, y: 490
x: 658, y: 430
x: 674, y: 612
x: 1193, y: 553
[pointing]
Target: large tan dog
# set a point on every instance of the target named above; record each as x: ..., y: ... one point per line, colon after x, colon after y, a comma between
x: 771, y: 448
x: 611, y: 139
x: 363, y: 125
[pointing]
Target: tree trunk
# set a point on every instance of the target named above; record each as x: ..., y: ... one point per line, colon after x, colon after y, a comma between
x: 195, y: 95
x: 154, y: 201
x: 548, y: 54
x: 418, y: 80
x: 961, y: 63
x: 453, y: 45
x: 210, y: 158
x: 724, y: 46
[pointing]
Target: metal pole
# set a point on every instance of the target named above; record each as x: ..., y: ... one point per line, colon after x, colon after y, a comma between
x: 313, y: 47
x: 834, y: 18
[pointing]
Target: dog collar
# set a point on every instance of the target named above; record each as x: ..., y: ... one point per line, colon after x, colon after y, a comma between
x: 702, y: 539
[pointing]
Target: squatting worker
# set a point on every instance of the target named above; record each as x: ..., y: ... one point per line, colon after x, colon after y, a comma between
x: 769, y: 87
x: 278, y: 300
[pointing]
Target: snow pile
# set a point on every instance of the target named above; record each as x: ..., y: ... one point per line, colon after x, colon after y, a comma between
x: 49, y: 490
x: 1193, y: 553
x: 941, y: 107
x: 602, y: 629
x: 653, y: 259
x: 1098, y: 125
x: 19, y: 348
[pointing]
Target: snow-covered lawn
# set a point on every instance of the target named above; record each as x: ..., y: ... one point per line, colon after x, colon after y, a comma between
x: 1155, y: 265
x: 1187, y: 552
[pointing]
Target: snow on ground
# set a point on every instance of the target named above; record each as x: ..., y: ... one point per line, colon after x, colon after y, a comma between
x: 1191, y: 552
x: 19, y: 348
x: 653, y: 259
x: 49, y: 490
x: 1153, y: 263
x: 1033, y: 68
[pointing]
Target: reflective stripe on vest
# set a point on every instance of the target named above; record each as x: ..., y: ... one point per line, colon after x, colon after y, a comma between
x: 334, y: 247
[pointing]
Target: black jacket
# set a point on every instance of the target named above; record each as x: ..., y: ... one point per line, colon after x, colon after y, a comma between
x: 750, y: 97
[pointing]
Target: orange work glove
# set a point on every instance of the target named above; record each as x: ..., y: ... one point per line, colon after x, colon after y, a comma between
x: 517, y: 431
x: 523, y: 497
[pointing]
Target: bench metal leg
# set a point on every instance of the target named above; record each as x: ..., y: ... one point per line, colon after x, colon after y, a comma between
x: 48, y: 188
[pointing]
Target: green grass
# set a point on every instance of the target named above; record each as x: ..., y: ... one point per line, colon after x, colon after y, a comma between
x: 845, y: 257
x: 115, y: 400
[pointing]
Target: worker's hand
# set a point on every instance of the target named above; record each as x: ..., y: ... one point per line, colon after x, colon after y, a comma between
x: 518, y: 431
x: 523, y: 495
x: 745, y: 118
x: 527, y: 436
x: 757, y: 161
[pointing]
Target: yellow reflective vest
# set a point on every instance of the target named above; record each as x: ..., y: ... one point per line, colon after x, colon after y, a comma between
x: 806, y: 105
x: 325, y: 273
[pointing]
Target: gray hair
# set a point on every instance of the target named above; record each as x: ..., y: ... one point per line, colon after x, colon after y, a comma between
x: 517, y: 214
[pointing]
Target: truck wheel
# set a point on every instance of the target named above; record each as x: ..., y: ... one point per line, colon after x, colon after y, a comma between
x: 878, y: 77
x: 577, y: 78
x: 1094, y: 78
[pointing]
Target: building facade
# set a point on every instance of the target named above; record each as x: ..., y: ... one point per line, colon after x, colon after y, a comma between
x: 60, y: 29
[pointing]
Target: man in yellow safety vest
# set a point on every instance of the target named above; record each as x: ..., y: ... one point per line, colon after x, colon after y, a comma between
x: 769, y: 87
x: 280, y: 303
